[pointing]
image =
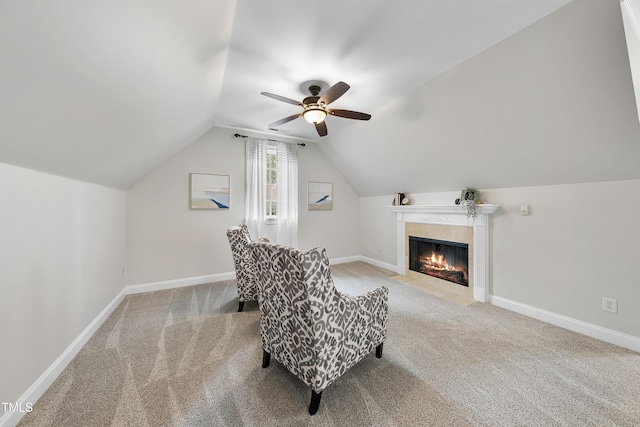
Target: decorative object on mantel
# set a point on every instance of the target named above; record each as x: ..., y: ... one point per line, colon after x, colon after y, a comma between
x: 468, y: 198
x: 400, y: 199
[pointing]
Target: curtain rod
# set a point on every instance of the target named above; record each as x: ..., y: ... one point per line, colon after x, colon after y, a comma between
x: 302, y: 144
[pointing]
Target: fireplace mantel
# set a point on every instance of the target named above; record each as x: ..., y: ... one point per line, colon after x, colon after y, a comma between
x: 451, y: 215
x: 482, y: 209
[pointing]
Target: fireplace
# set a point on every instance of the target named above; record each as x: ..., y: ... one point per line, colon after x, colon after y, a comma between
x: 440, y: 258
x: 448, y: 222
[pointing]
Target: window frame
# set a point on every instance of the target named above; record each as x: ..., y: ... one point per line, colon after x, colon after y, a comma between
x: 271, y: 186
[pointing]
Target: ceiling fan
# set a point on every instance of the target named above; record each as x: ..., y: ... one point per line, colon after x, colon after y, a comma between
x: 315, y: 107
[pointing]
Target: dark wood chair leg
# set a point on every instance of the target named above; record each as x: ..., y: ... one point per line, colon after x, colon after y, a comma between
x: 266, y: 359
x: 315, y: 402
x: 240, y: 306
x: 379, y: 351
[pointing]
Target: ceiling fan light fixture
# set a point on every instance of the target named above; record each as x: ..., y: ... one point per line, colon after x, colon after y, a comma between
x: 314, y: 114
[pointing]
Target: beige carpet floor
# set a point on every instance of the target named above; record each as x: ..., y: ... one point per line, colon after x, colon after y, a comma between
x: 184, y: 357
x: 442, y: 292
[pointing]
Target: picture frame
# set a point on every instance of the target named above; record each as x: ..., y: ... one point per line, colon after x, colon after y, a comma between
x: 320, y: 196
x: 209, y: 191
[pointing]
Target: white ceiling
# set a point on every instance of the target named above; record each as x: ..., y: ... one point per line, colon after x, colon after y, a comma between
x: 105, y: 90
x: 382, y: 49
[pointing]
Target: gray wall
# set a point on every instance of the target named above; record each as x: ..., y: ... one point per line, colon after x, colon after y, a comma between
x: 579, y: 244
x: 168, y: 241
x: 62, y: 257
x: 553, y: 104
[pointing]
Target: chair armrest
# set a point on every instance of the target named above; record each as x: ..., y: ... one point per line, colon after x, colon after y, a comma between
x: 368, y: 309
x: 371, y: 302
x: 263, y: 239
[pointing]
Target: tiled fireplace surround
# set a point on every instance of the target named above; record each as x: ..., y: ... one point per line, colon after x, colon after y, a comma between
x: 448, y: 223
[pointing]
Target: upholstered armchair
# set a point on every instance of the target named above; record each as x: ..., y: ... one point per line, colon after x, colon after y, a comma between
x: 306, y: 324
x: 239, y: 239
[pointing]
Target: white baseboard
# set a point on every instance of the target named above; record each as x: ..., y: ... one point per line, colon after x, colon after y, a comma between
x: 10, y: 419
x: 381, y: 264
x: 344, y: 260
x: 363, y: 258
x: 589, y: 329
x: 37, y: 389
x: 178, y: 283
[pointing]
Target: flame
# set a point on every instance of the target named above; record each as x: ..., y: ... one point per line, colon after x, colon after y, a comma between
x: 436, y: 265
x: 438, y: 261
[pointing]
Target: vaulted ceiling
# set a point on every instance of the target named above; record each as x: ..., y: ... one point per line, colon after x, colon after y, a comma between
x: 104, y: 91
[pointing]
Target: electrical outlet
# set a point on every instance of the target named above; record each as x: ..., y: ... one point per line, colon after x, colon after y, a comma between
x: 610, y: 305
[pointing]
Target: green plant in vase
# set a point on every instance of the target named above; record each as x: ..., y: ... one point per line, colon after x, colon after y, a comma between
x: 469, y: 197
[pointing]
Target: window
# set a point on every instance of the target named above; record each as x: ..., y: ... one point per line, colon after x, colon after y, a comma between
x: 272, y: 190
x: 271, y: 199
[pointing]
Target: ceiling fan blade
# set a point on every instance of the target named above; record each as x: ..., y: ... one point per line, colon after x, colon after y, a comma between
x: 333, y: 93
x: 285, y: 120
x: 348, y: 114
x: 321, y: 128
x: 282, y: 98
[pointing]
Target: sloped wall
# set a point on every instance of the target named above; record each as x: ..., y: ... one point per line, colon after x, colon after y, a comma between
x: 167, y: 241
x: 553, y: 104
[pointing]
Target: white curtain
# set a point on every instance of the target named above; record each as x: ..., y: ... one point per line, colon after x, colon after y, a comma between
x: 256, y: 181
x: 287, y: 231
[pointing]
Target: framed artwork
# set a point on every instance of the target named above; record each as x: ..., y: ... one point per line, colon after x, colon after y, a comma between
x: 208, y: 191
x: 320, y: 196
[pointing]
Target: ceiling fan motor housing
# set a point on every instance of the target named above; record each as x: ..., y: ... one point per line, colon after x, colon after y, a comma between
x: 309, y: 100
x: 314, y: 90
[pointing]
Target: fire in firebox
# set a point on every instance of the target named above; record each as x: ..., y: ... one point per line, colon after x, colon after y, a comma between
x: 441, y: 259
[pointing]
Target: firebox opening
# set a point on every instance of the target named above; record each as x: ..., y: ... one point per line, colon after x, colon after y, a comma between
x: 439, y: 258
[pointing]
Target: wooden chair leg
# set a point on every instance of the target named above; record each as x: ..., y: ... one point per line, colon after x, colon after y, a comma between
x: 240, y: 306
x: 315, y: 402
x: 266, y: 359
x: 379, y: 351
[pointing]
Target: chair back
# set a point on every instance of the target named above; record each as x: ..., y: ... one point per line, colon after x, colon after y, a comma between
x: 286, y: 326
x: 239, y: 240
x: 316, y: 332
x: 297, y: 299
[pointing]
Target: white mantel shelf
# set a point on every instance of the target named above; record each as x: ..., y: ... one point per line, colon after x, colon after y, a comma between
x: 482, y: 209
x: 451, y: 215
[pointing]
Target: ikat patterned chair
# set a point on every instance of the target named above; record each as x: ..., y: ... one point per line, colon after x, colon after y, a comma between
x: 239, y: 239
x: 306, y: 324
